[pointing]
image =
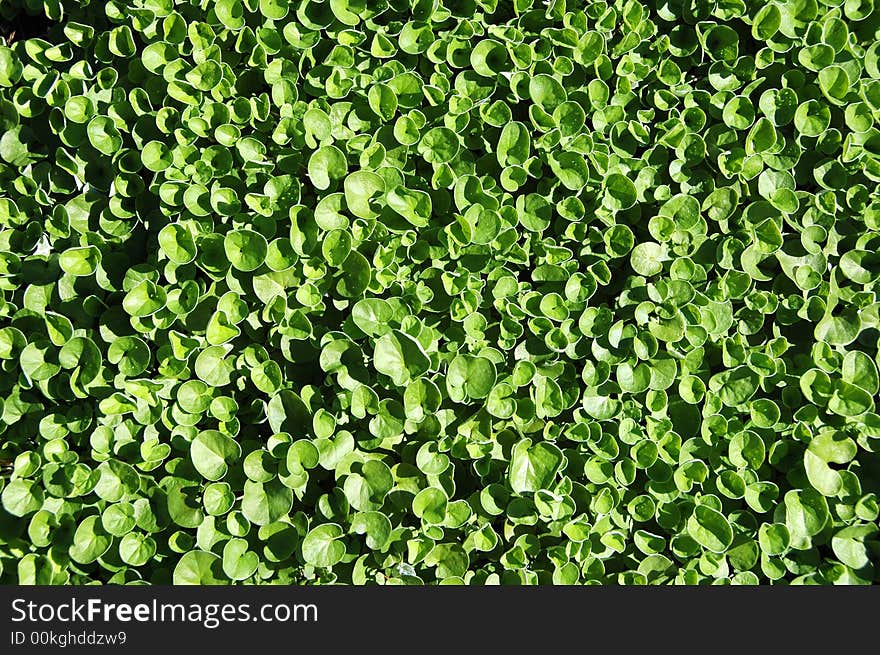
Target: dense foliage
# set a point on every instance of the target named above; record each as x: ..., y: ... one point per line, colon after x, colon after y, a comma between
x: 457, y: 291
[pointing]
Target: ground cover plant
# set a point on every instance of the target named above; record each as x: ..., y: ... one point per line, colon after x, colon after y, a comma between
x: 439, y: 291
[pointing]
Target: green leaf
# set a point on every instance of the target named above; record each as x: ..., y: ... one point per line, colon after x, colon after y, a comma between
x: 22, y: 497
x: 735, y: 386
x: 136, y: 550
x: 773, y: 538
x: 439, y: 145
x: 90, y: 541
x: 375, y: 525
x: 514, y: 145
x: 805, y: 514
x: 489, y: 57
x: 709, y: 528
x: 323, y: 546
x: 326, y: 164
x: 850, y: 547
x: 239, y: 563
x: 103, y: 135
x: 80, y: 262
x: 546, y: 91
x: 533, y: 467
x: 361, y: 190
x: 766, y: 22
x: 144, y: 299
x: 834, y: 83
x: 177, y: 243
x: 198, y: 567
x: 10, y: 67
x: 414, y: 206
x: 620, y: 192
x: 812, y: 118
x: 372, y: 316
x: 430, y: 505
x: 266, y: 503
x: 647, y: 258
x: 383, y: 101
x: 212, y: 452
x: 245, y: 249
x: 400, y: 357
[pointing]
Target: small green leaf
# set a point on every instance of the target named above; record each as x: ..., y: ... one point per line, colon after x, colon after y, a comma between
x: 323, y: 545
x: 533, y: 467
x: 710, y: 529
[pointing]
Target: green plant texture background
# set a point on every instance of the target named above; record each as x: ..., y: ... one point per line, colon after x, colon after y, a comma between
x: 439, y: 292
